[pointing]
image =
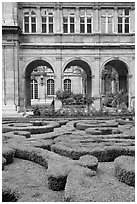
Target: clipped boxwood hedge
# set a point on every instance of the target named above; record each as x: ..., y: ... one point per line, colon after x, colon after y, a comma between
x: 125, y: 169
x: 104, y: 154
x: 8, y: 154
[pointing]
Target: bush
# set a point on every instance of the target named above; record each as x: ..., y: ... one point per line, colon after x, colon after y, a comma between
x: 8, y: 154
x: 125, y: 169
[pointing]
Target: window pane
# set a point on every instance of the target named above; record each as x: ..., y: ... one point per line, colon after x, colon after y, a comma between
x: 109, y: 20
x: 33, y: 19
x: 26, y: 13
x: 26, y: 19
x: 88, y: 20
x: 126, y: 12
x: 126, y: 28
x: 89, y: 28
x: 120, y: 12
x: 50, y: 28
x: 65, y: 28
x: 119, y: 19
x: 72, y: 28
x: 65, y: 19
x: 44, y: 19
x: 44, y: 30
x: 82, y: 20
x: 126, y: 20
x: 51, y: 19
x: 82, y: 28
x: 109, y: 28
x: 33, y: 13
x: 33, y: 28
x: 67, y: 85
x: 26, y: 28
x: 119, y: 28
x: 31, y: 87
x: 36, y: 90
x: 71, y: 19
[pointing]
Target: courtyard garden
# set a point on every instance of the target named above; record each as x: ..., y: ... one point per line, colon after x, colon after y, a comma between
x: 69, y: 159
x: 74, y: 154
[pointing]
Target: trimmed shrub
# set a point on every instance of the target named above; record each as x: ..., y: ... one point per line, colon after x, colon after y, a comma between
x: 31, y: 154
x: 3, y: 163
x: 9, y: 195
x: 49, y: 127
x: 88, y: 161
x: 8, y: 154
x: 102, y: 152
x: 57, y: 175
x: 22, y: 133
x: 125, y: 169
x: 40, y: 143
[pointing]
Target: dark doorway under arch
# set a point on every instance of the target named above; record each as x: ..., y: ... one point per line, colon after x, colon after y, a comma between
x: 29, y: 69
x: 87, y: 71
x: 118, y: 75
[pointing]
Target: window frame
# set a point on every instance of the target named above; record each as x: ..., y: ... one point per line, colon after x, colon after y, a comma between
x: 124, y: 16
x: 34, y: 91
x: 50, y: 87
x: 68, y: 17
x: 47, y: 23
x: 30, y: 22
x: 106, y: 16
x: 85, y: 24
x: 67, y: 85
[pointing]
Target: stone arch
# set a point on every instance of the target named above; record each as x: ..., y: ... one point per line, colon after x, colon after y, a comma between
x: 122, y: 69
x: 28, y: 70
x: 84, y: 65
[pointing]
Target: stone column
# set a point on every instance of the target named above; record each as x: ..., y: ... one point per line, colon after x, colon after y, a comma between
x: 57, y: 18
x: 96, y: 27
x: 77, y: 20
x: 132, y: 20
x: 58, y: 81
x: 115, y: 20
x: 38, y: 20
x: 96, y: 82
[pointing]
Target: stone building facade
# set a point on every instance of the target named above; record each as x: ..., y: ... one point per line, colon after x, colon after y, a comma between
x: 48, y: 46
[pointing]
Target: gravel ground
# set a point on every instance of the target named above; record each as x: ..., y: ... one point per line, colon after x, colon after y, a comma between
x: 30, y: 179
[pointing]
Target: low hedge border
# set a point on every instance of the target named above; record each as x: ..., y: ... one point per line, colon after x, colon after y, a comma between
x: 57, y: 175
x: 32, y: 129
x: 9, y: 194
x: 8, y: 154
x: 125, y: 169
x: 3, y: 163
x: 106, y: 154
x: 84, y: 124
x: 88, y: 161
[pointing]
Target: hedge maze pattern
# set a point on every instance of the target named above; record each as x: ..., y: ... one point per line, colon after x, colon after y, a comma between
x: 70, y: 149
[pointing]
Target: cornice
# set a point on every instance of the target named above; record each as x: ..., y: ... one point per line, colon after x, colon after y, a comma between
x: 77, y: 46
x: 11, y: 29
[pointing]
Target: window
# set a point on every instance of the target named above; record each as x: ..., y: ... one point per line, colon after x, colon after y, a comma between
x: 85, y: 21
x: 67, y: 85
x: 34, y: 89
x: 47, y: 21
x: 50, y: 87
x: 29, y: 21
x: 106, y: 21
x: 68, y: 22
x: 123, y: 21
